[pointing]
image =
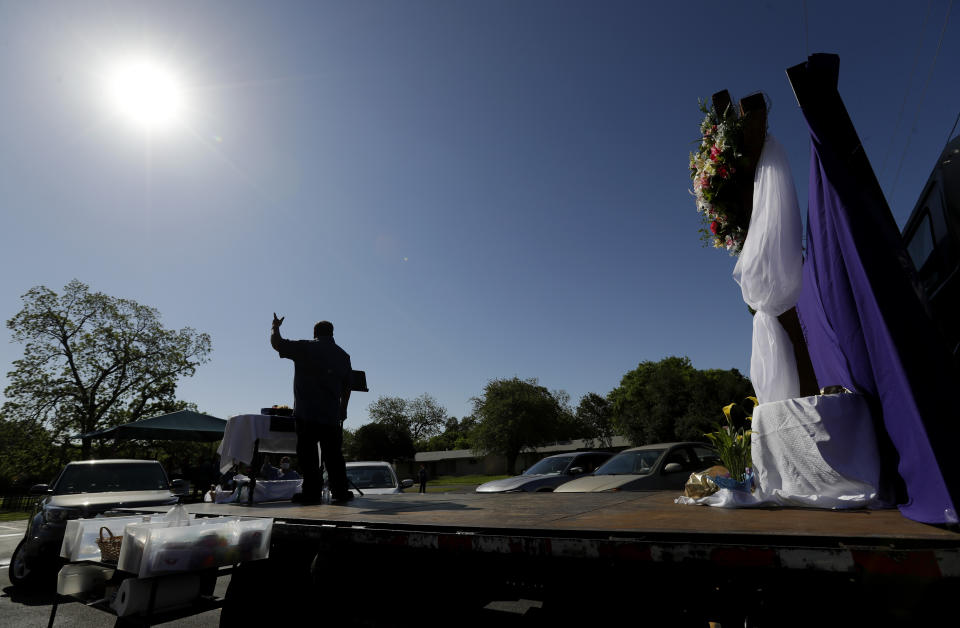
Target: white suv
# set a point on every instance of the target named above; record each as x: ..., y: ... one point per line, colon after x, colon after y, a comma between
x: 374, y: 478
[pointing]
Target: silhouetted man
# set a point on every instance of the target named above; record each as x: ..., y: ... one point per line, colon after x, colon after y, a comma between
x: 321, y: 391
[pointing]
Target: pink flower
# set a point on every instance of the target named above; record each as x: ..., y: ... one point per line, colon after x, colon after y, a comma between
x: 723, y: 172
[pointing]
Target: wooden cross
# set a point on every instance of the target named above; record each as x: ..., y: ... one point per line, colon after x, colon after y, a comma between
x: 753, y: 110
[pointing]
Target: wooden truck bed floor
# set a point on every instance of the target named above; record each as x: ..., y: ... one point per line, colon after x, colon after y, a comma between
x: 626, y: 514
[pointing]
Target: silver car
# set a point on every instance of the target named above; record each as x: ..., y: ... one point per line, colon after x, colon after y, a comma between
x: 549, y: 473
x: 652, y: 467
x: 81, y: 491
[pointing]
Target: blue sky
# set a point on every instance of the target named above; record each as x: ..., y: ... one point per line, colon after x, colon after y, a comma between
x: 468, y: 190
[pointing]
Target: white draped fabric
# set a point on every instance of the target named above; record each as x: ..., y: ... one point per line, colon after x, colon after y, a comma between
x: 243, y: 430
x: 769, y: 273
x: 265, y: 491
x: 814, y: 452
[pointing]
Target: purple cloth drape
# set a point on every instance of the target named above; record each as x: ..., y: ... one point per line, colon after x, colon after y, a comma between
x: 864, y: 323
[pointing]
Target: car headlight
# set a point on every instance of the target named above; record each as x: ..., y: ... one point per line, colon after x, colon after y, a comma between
x: 58, y: 514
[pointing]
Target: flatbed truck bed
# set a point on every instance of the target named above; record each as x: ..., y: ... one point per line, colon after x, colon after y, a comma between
x: 687, y: 564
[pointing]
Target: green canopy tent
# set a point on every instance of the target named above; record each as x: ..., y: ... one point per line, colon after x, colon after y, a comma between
x: 184, y: 425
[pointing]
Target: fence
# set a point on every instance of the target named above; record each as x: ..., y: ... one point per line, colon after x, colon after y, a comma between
x: 17, y: 503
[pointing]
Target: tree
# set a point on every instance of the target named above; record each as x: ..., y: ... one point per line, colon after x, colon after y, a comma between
x: 29, y: 455
x: 456, y: 435
x: 421, y: 418
x: 427, y: 417
x: 92, y: 361
x: 595, y: 416
x: 514, y: 415
x: 671, y: 400
x: 390, y: 411
x: 381, y: 441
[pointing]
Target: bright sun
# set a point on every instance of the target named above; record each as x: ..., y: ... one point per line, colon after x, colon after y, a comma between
x: 146, y: 93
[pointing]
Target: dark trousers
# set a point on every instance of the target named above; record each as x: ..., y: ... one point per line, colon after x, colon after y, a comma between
x: 330, y: 438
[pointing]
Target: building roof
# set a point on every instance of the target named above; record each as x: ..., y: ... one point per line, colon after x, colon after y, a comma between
x: 617, y: 442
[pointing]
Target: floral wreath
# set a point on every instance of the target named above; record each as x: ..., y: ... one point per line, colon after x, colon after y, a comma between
x: 715, y: 169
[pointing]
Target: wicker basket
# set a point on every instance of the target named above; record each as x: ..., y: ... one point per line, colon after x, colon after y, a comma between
x: 109, y: 547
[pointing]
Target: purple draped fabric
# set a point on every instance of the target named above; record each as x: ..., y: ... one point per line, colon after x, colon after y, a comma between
x: 864, y: 324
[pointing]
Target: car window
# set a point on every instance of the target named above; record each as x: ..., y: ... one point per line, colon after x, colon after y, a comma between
x: 102, y: 478
x: 682, y: 456
x: 550, y: 465
x: 373, y: 476
x: 589, y: 462
x: 707, y: 456
x: 641, y: 461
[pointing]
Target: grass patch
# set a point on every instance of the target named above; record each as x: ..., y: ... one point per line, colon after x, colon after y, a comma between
x: 14, y: 515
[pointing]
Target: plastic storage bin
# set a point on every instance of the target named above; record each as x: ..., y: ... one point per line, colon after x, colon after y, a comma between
x: 194, y: 547
x: 82, y: 579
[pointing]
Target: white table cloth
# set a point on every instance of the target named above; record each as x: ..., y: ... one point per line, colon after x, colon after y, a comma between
x: 264, y: 491
x: 242, y: 432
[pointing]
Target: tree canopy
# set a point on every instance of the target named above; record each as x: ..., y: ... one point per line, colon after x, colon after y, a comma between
x: 515, y: 414
x: 29, y: 455
x: 422, y: 418
x: 379, y: 441
x: 457, y: 434
x: 92, y: 361
x: 594, y: 415
x: 671, y: 400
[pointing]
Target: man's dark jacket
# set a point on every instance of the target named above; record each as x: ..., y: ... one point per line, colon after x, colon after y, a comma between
x: 322, y: 373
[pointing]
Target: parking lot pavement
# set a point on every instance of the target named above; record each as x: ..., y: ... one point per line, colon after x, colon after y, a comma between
x: 28, y: 608
x: 10, y: 534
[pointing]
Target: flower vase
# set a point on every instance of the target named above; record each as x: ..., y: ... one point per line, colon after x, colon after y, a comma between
x: 745, y: 485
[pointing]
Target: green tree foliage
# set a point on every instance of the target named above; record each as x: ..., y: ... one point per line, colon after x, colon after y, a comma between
x: 92, y: 361
x: 594, y: 415
x: 456, y: 435
x: 427, y: 417
x: 514, y: 415
x: 380, y: 441
x: 390, y: 411
x: 422, y: 418
x: 671, y: 400
x: 29, y: 455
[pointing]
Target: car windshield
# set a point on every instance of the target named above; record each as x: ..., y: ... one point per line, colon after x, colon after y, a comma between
x: 371, y: 477
x: 631, y: 462
x: 549, y: 466
x: 101, y: 478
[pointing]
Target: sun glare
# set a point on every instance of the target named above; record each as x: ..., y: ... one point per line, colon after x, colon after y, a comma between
x: 146, y: 93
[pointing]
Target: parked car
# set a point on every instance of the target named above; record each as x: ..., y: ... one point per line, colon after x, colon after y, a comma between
x: 651, y: 467
x: 374, y: 478
x: 549, y: 473
x: 83, y: 490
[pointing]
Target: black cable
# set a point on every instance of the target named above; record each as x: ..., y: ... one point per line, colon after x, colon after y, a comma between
x: 922, y: 94
x: 806, y: 32
x: 950, y: 135
x: 906, y: 93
